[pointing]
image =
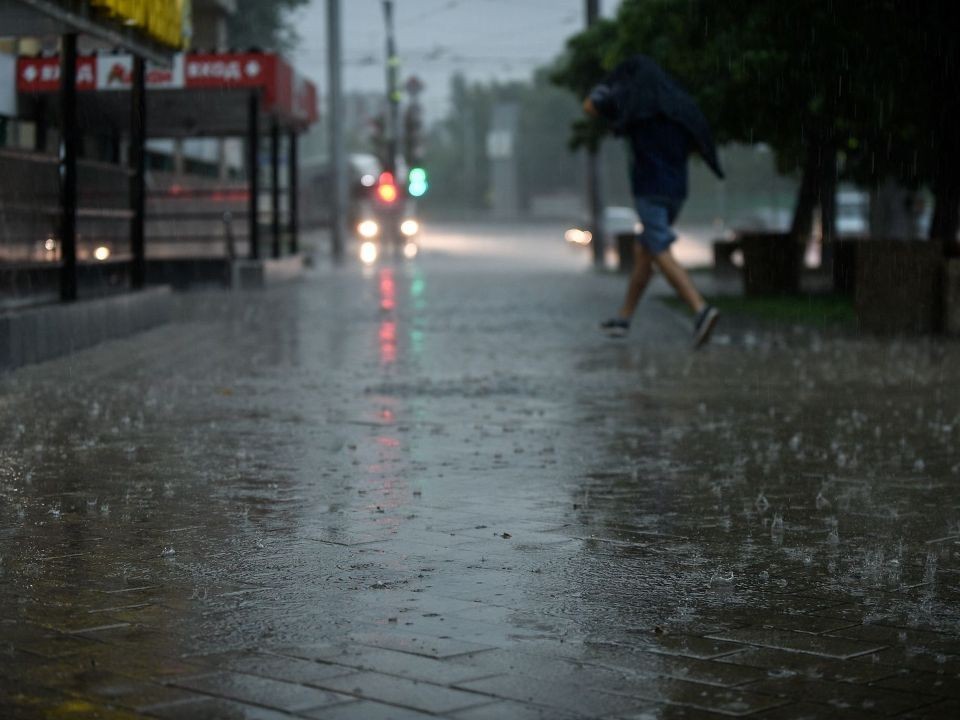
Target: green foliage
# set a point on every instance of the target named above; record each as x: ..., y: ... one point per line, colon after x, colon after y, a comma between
x: 846, y: 74
x: 588, y: 58
x: 817, y: 311
x: 265, y: 25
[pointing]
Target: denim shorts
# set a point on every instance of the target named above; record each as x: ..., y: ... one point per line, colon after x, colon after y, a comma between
x: 657, y: 215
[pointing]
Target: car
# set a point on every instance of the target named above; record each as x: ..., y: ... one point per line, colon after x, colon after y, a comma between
x: 387, y: 221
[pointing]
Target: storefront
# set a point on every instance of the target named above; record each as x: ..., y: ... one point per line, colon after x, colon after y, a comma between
x: 149, y: 30
x: 254, y: 96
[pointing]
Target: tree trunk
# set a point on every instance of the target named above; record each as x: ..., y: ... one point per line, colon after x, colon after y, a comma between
x: 828, y: 196
x: 946, y: 213
x: 807, y: 195
x: 946, y: 180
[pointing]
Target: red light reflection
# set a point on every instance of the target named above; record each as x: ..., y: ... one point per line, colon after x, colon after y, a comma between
x: 388, y: 327
x: 388, y: 342
x: 388, y: 290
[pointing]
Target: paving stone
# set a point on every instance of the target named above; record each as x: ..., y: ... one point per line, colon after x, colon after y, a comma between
x: 215, y: 708
x: 930, y: 642
x: 134, y: 694
x: 425, y: 645
x: 812, y: 711
x: 809, y: 624
x: 725, y: 701
x: 782, y: 663
x: 673, y: 712
x: 285, y: 696
x: 913, y: 659
x: 937, y: 711
x: 693, y: 646
x: 500, y: 710
x: 613, y: 670
x: 845, y: 696
x: 389, y: 662
x: 800, y: 642
x: 367, y: 710
x: 575, y: 696
x: 708, y: 672
x: 292, y: 670
x: 51, y: 644
x: 403, y: 692
x: 924, y: 683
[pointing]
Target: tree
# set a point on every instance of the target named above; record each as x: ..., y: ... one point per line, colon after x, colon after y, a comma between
x: 589, y: 56
x: 864, y: 86
x: 456, y: 149
x: 265, y: 25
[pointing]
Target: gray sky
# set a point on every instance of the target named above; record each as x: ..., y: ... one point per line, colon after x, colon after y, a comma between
x: 485, y: 39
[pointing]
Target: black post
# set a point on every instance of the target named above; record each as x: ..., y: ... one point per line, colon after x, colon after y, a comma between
x: 294, y: 191
x: 138, y: 167
x: 40, y: 138
x: 594, y: 187
x: 275, y: 186
x: 70, y: 142
x: 393, y: 90
x: 253, y: 171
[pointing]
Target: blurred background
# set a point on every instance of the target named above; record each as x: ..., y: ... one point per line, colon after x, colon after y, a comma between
x: 469, y: 112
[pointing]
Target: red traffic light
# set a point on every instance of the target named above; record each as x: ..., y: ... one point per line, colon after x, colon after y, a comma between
x: 387, y: 189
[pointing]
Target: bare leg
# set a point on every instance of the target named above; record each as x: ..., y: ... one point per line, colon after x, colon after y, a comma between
x: 680, y: 280
x: 639, y: 279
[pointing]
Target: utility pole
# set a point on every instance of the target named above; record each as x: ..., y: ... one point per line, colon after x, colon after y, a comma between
x: 393, y: 90
x: 594, y: 187
x: 338, y: 159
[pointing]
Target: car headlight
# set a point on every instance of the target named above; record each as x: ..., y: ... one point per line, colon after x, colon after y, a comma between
x: 410, y: 250
x: 578, y: 236
x: 368, y: 253
x: 368, y: 229
x: 409, y: 228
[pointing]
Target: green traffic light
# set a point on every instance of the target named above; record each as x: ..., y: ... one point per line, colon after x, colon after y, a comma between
x: 418, y: 184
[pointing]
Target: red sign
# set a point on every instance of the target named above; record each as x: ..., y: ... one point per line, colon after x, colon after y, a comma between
x: 218, y: 71
x: 43, y: 74
x: 283, y: 91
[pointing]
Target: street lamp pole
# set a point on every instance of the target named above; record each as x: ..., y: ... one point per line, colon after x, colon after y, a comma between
x: 594, y: 185
x: 338, y: 161
x: 393, y: 90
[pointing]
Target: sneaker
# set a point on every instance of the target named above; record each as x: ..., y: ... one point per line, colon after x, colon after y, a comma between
x: 703, y: 325
x: 615, y: 327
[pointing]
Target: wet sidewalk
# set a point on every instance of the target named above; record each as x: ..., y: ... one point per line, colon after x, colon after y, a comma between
x: 433, y: 490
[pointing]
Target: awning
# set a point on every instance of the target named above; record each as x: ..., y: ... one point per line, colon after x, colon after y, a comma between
x: 20, y: 18
x: 200, y: 95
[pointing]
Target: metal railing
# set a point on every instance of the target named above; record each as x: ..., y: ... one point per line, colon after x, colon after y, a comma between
x: 30, y: 214
x: 198, y: 217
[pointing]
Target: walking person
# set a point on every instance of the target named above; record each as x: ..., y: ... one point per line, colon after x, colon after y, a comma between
x: 662, y: 125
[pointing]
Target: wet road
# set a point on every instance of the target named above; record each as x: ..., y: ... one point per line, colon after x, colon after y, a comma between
x: 432, y: 490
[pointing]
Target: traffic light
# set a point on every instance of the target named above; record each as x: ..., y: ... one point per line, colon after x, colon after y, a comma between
x: 413, y: 135
x: 387, y: 191
x: 417, y: 182
x: 378, y: 138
